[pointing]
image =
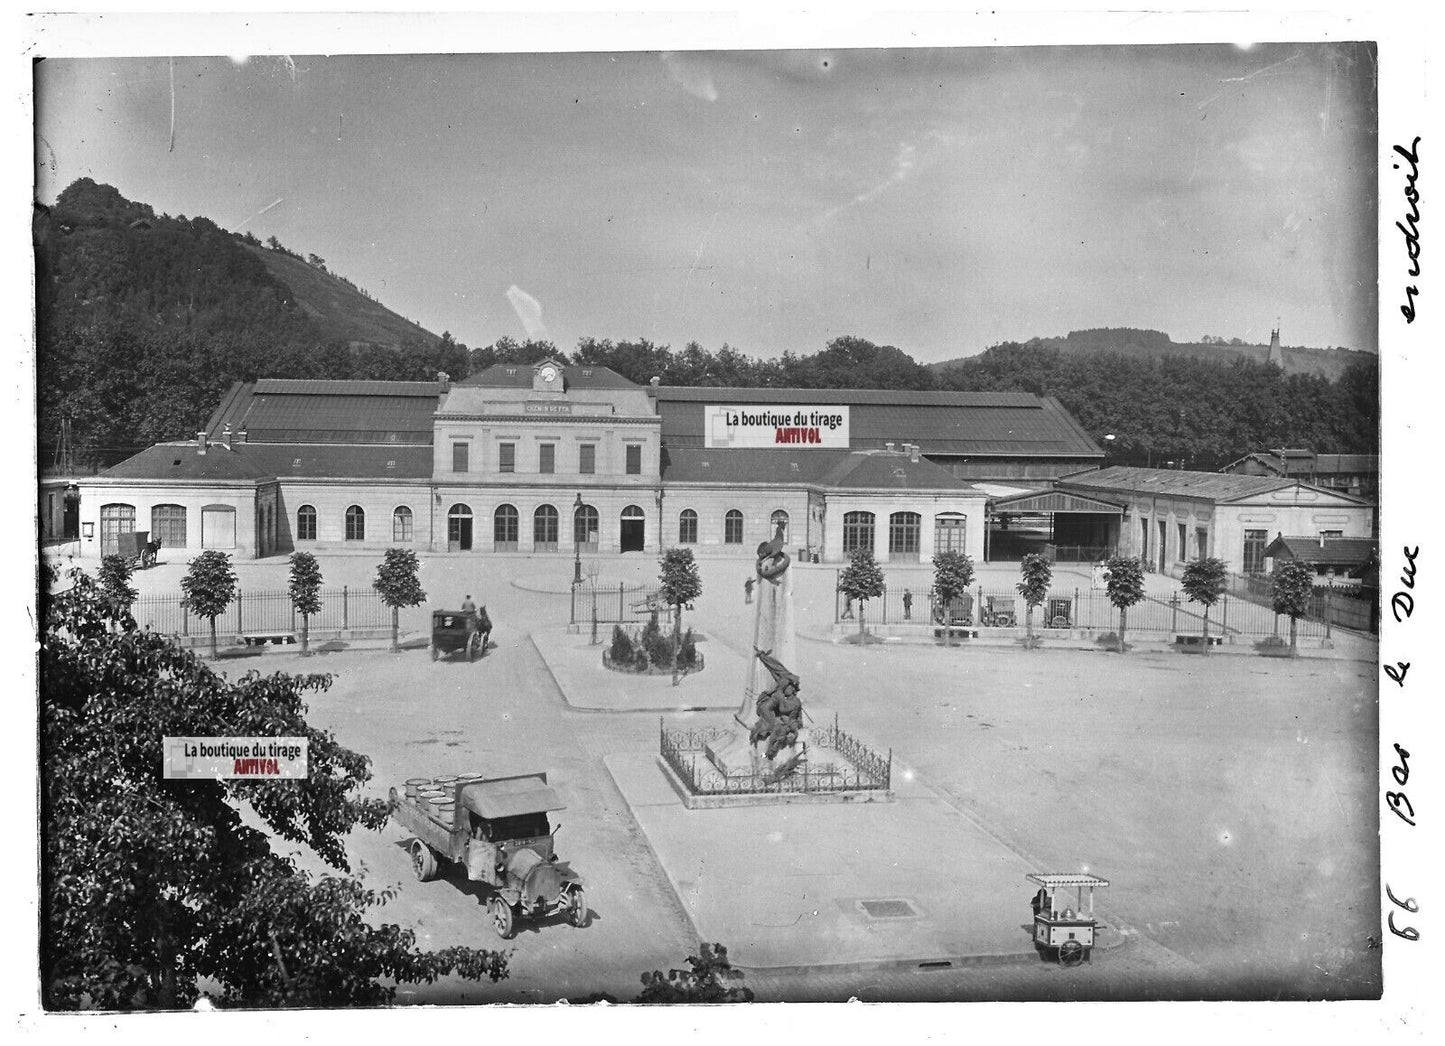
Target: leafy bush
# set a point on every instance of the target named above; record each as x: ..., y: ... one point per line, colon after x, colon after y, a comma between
x: 687, y: 651
x: 657, y: 645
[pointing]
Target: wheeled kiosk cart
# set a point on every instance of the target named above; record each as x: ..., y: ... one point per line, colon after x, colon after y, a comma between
x: 1066, y: 934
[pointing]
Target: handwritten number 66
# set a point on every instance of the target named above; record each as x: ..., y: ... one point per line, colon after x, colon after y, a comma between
x: 1409, y: 904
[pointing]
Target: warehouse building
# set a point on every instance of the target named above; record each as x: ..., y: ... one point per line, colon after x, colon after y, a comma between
x: 557, y: 459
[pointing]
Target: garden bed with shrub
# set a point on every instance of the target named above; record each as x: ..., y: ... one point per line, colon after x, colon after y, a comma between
x: 649, y: 651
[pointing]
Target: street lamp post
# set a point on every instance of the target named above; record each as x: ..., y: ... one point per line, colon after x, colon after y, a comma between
x: 576, y: 544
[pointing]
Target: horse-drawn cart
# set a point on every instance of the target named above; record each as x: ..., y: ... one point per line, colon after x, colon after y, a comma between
x: 137, y: 548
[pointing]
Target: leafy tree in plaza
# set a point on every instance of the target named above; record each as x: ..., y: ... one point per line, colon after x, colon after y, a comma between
x: 305, y: 588
x: 1291, y: 590
x: 399, y: 586
x: 861, y: 579
x: 681, y: 585
x: 1124, y: 576
x: 705, y: 980
x: 151, y: 885
x: 114, y: 576
x: 210, y: 587
x: 952, y: 574
x: 1204, y: 581
x: 1037, y: 573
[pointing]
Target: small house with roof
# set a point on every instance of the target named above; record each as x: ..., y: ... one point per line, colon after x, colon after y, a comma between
x: 1172, y: 516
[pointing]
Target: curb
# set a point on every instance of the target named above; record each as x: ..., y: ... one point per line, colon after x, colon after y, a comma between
x: 596, y: 709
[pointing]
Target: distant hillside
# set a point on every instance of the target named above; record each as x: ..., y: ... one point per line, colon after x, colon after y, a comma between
x: 338, y: 308
x: 1127, y: 341
x: 144, y: 320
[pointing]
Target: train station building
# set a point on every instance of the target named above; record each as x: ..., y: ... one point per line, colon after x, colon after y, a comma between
x: 555, y: 459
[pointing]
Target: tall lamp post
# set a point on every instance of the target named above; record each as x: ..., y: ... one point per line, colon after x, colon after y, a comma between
x: 576, y: 544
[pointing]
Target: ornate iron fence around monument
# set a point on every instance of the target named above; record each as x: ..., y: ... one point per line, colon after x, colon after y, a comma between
x: 869, y: 771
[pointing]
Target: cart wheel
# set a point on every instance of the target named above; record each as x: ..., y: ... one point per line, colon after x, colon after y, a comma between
x: 1071, y: 953
x: 423, y: 861
x: 502, y: 919
x: 577, y: 908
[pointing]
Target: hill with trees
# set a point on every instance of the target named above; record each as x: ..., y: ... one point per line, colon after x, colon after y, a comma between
x: 1328, y: 363
x: 144, y: 321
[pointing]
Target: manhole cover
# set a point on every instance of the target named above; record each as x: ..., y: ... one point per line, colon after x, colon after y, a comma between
x: 888, y: 909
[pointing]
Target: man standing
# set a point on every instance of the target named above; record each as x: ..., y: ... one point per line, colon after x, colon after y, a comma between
x: 907, y: 605
x: 468, y: 607
x: 748, y: 588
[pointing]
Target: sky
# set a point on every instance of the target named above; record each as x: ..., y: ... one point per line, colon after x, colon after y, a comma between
x: 940, y: 200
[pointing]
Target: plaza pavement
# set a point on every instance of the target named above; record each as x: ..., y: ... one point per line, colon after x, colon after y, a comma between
x: 1228, y: 799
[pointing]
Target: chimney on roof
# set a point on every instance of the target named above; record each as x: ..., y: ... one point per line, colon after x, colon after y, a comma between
x: 226, y: 436
x: 242, y: 435
x: 888, y: 447
x: 1322, y: 539
x: 913, y: 451
x: 201, y: 441
x: 652, y: 386
x: 444, y: 380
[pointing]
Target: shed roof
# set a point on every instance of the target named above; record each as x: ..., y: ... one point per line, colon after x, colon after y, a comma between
x: 274, y: 410
x: 838, y: 469
x: 953, y: 424
x: 255, y: 461
x: 1210, y: 486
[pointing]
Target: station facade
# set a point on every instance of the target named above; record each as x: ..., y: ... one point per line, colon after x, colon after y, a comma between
x: 554, y: 459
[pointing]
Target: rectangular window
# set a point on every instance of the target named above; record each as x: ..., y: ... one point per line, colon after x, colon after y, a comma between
x: 548, y: 458
x: 507, y: 457
x: 634, y: 459
x: 1183, y: 542
x: 1254, y: 542
x: 1201, y: 541
x: 587, y: 459
x: 1332, y: 533
x: 461, y: 457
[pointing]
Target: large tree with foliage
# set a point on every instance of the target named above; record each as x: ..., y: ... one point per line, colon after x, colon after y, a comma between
x: 1204, y: 581
x: 681, y: 585
x: 1124, y: 577
x: 210, y: 587
x: 1291, y: 589
x: 1036, y: 574
x: 399, y: 586
x: 114, y: 576
x: 149, y: 885
x: 861, y: 579
x: 305, y: 590
x: 952, y: 574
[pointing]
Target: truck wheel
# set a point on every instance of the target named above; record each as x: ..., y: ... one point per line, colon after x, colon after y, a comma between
x: 472, y: 647
x: 433, y: 651
x: 423, y: 861
x: 577, y: 908
x: 503, y: 920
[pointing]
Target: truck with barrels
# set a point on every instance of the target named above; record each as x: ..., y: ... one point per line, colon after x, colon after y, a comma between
x: 495, y: 830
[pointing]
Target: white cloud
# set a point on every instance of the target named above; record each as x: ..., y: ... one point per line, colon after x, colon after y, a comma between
x: 903, y: 165
x: 529, y: 311
x: 691, y: 75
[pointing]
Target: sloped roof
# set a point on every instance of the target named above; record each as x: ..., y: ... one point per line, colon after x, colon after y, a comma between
x: 1327, y: 552
x: 1328, y: 463
x: 838, y: 469
x: 984, y: 424
x: 626, y: 401
x: 253, y: 461
x: 274, y: 410
x: 1212, y: 486
x: 519, y: 376
x: 1268, y: 461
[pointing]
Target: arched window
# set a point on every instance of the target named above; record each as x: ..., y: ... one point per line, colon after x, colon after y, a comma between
x: 586, y: 528
x: 115, y: 520
x: 306, y: 523
x: 632, y: 530
x: 401, y: 524
x: 355, y: 523
x: 168, y: 525
x: 687, y: 527
x: 857, y: 531
x: 733, y: 527
x: 778, y: 517
x: 505, y: 528
x: 904, y: 530
x: 544, y: 529
x: 950, y: 532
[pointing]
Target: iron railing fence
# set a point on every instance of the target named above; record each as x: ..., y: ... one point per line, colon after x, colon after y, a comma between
x: 1074, y: 608
x: 865, y: 770
x: 615, y: 604
x: 343, y: 608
